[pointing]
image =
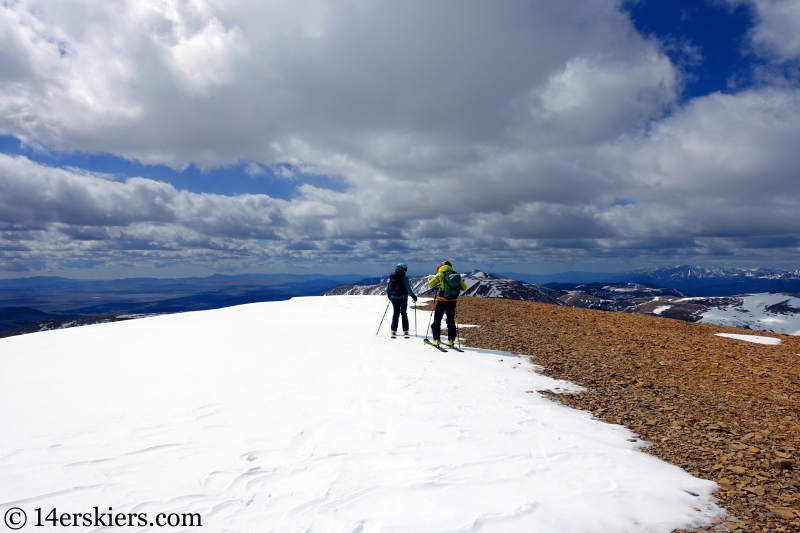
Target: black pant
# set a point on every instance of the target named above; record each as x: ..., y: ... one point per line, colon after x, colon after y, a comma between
x: 440, y: 309
x: 399, y: 307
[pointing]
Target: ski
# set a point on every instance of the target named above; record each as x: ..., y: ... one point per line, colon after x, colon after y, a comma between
x: 429, y: 343
x: 456, y: 348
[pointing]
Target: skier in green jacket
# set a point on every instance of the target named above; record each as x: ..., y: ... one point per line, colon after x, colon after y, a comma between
x: 448, y: 285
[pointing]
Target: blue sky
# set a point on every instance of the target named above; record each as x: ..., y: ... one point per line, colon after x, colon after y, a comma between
x: 172, y: 139
x: 228, y: 180
x: 715, y: 31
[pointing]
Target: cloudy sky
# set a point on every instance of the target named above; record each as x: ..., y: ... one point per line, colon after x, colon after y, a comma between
x: 186, y: 137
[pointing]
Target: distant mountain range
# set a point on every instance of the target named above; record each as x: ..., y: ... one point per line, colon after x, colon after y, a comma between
x: 691, y: 280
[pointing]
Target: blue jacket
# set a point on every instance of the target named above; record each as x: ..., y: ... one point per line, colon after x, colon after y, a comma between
x: 407, y: 285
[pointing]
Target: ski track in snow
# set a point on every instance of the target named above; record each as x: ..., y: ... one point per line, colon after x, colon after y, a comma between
x: 293, y: 416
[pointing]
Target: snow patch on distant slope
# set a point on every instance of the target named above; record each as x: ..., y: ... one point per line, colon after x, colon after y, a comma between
x: 775, y: 312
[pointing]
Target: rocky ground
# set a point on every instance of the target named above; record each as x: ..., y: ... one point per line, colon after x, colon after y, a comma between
x: 722, y: 409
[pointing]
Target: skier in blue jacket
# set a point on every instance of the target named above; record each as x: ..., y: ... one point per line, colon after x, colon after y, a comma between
x: 398, y: 290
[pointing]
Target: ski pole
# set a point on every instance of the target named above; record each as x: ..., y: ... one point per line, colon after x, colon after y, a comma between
x: 458, y: 333
x: 433, y: 306
x: 415, y: 319
x: 384, y: 316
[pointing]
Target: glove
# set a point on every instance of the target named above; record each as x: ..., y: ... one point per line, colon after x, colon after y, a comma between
x: 414, y: 297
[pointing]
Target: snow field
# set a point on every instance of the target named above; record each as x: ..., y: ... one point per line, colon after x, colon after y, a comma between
x: 293, y: 416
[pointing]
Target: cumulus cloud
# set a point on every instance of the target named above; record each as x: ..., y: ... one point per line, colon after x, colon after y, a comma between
x: 215, y: 82
x: 595, y: 98
x: 502, y: 133
x: 777, y: 31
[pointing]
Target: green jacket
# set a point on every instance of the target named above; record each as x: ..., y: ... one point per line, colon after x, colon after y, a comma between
x: 438, y: 281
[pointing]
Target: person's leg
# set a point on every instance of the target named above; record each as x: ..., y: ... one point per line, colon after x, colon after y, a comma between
x: 403, y: 308
x: 436, y: 327
x: 395, y: 313
x: 452, y: 332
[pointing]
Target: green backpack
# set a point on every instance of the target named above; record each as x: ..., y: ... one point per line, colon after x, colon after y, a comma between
x: 452, y: 285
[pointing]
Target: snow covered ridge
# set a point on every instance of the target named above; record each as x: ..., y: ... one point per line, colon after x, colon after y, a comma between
x: 479, y: 284
x: 224, y: 413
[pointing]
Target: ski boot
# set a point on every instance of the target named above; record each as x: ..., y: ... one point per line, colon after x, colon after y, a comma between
x: 450, y: 343
x: 406, y: 335
x: 394, y: 335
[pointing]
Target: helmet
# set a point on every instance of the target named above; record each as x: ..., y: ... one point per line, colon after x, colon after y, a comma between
x: 401, y: 265
x: 448, y: 263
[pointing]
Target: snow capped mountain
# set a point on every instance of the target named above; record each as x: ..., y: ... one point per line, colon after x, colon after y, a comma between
x: 484, y: 285
x: 479, y: 284
x: 377, y: 286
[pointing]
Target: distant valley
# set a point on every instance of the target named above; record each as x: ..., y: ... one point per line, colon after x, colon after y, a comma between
x: 41, y: 303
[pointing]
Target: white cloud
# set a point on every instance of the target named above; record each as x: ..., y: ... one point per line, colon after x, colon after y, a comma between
x: 500, y: 132
x: 254, y: 169
x: 722, y: 166
x: 598, y: 97
x: 777, y: 30
x: 39, y: 196
x: 216, y: 82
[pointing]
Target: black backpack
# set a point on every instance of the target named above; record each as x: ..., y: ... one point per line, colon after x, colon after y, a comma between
x: 396, y: 286
x: 452, y: 285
